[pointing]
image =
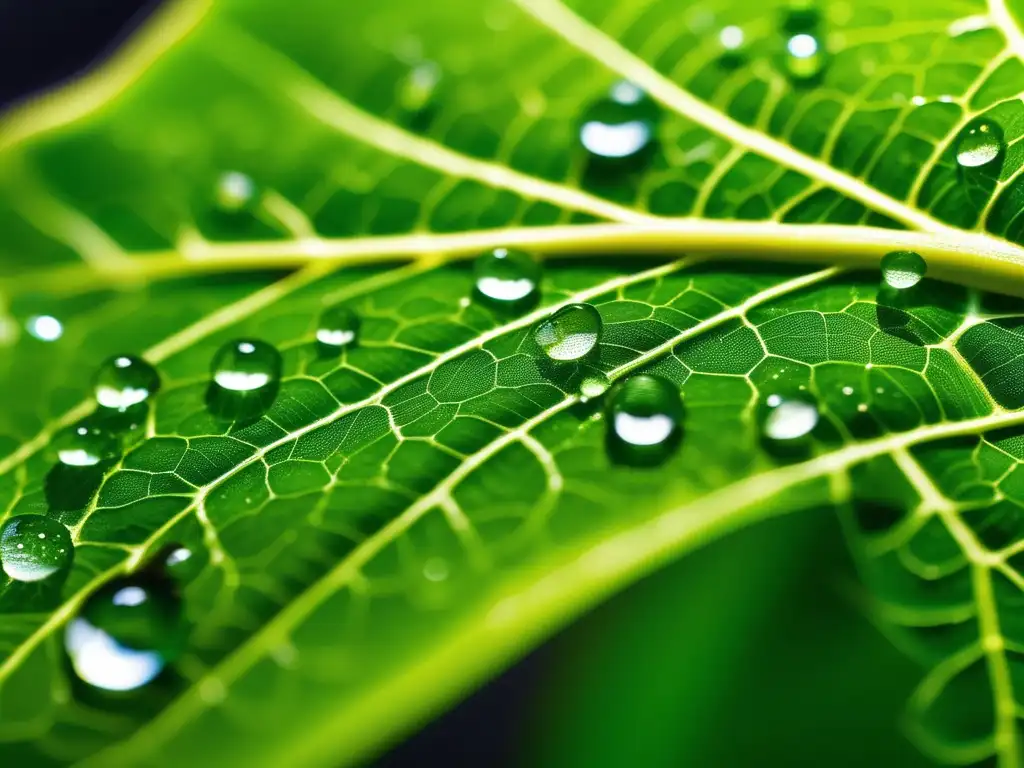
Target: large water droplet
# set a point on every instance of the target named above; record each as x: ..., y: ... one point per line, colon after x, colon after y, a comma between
x: 506, y: 275
x: 338, y: 327
x: 621, y: 125
x: 645, y: 417
x: 34, y: 547
x: 786, y: 419
x: 85, y: 445
x: 903, y: 269
x: 127, y: 632
x: 246, y: 365
x: 124, y: 381
x: 571, y: 333
x: 979, y: 144
x: 235, y: 192
x: 44, y: 327
x: 804, y: 57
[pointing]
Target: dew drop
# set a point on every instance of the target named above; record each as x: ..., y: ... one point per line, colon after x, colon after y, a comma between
x: 621, y: 125
x: 788, y: 418
x: 417, y: 89
x: 44, y: 327
x: 436, y: 569
x: 593, y: 385
x: 178, y: 556
x: 85, y: 445
x: 124, y: 381
x: 731, y: 39
x: 506, y: 276
x: 571, y: 333
x: 246, y: 365
x: 338, y: 328
x: 903, y: 269
x: 804, y: 57
x: 126, y: 632
x: 235, y: 192
x: 979, y: 144
x: 645, y: 417
x: 34, y: 547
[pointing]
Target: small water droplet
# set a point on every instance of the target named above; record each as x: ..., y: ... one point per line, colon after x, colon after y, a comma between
x: 124, y: 381
x: 979, y: 144
x: 903, y: 269
x: 85, y: 445
x: 338, y: 328
x: 620, y: 126
x: 177, y: 556
x: 804, y: 57
x: 731, y: 38
x: 435, y: 569
x: 246, y: 365
x: 235, y: 192
x: 645, y: 417
x: 417, y: 89
x: 788, y: 418
x: 44, y: 327
x: 506, y: 276
x: 126, y: 632
x: 34, y: 547
x: 571, y: 333
x: 593, y: 385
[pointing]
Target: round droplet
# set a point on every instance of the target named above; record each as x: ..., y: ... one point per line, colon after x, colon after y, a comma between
x: 593, y: 385
x: 124, y: 381
x: 178, y: 556
x: 788, y: 418
x: 645, y: 417
x: 44, y: 327
x: 246, y: 365
x: 34, y: 547
x: 979, y: 144
x: 621, y: 125
x: 417, y: 89
x: 85, y: 445
x: 571, y: 333
x: 903, y: 269
x: 506, y: 275
x: 235, y: 192
x: 339, y: 327
x: 127, y: 632
x: 804, y: 56
x: 731, y: 39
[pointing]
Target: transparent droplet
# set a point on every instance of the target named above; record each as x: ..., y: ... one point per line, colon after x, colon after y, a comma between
x: 593, y: 385
x: 124, y: 381
x: 127, y: 632
x: 804, y: 57
x: 235, y: 192
x: 246, y: 365
x: 979, y: 144
x: 436, y: 569
x: 44, y: 327
x: 178, y: 556
x: 731, y: 38
x: 85, y: 445
x: 788, y: 418
x: 338, y: 327
x: 418, y: 87
x: 571, y: 333
x: 903, y: 269
x: 621, y: 125
x: 34, y: 547
x: 645, y: 420
x: 506, y: 275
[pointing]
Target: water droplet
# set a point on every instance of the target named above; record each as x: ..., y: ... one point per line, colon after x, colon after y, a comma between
x: 621, y: 125
x: 45, y: 327
x: 417, y: 89
x: 788, y: 418
x: 506, y: 275
x: 593, y: 385
x: 246, y: 365
x: 124, y: 381
x: 903, y: 269
x: 339, y: 327
x: 85, y: 445
x: 804, y: 57
x: 436, y: 569
x: 731, y: 38
x: 34, y: 547
x: 980, y: 143
x: 235, y: 192
x: 127, y: 632
x: 178, y: 556
x: 645, y: 416
x: 571, y: 333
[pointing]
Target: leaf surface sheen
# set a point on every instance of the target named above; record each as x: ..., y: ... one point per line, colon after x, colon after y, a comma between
x: 415, y: 512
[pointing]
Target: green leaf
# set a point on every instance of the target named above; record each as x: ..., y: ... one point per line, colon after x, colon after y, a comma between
x: 416, y: 510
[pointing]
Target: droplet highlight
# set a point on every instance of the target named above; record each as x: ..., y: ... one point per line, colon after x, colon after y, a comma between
x: 506, y: 276
x: 980, y: 144
x: 124, y: 381
x: 903, y: 269
x: 338, y: 328
x: 127, y: 632
x: 571, y: 333
x: 34, y: 547
x: 804, y: 56
x: 645, y: 420
x: 85, y: 445
x: 235, y: 192
x: 44, y: 327
x: 246, y: 365
x: 620, y: 126
x: 785, y: 419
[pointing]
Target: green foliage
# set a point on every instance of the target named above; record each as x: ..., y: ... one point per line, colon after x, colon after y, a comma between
x: 382, y: 522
